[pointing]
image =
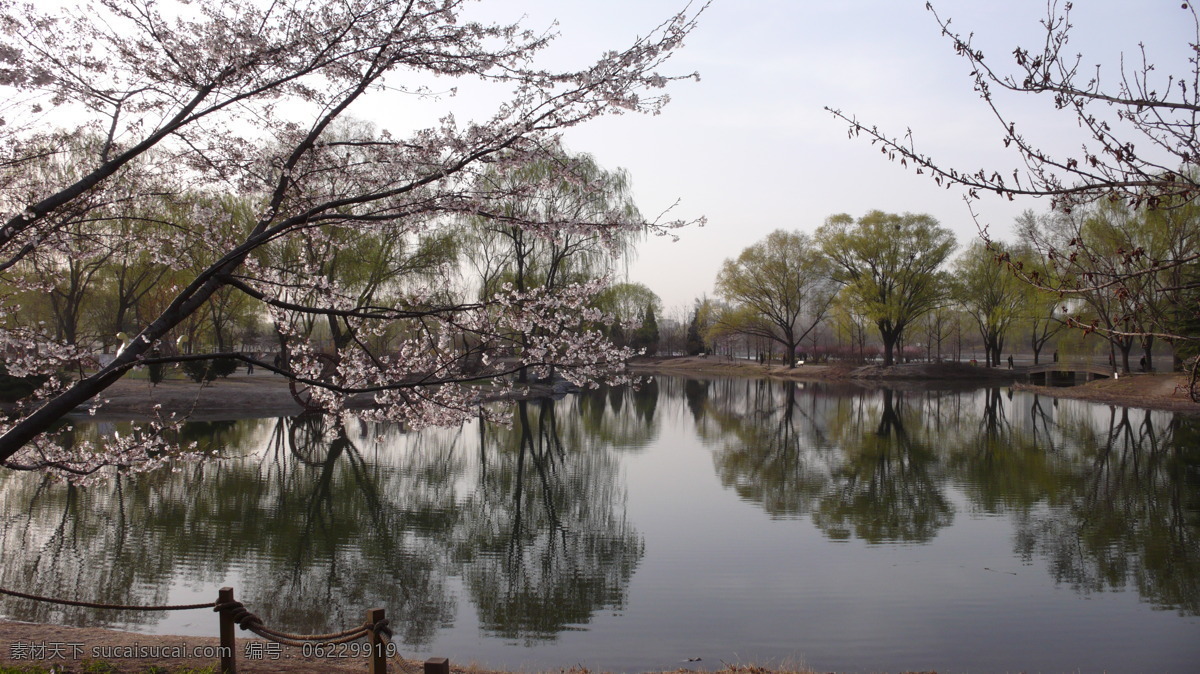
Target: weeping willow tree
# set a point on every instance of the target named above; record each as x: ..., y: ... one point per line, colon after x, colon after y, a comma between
x: 562, y: 187
x: 559, y: 187
x: 371, y: 268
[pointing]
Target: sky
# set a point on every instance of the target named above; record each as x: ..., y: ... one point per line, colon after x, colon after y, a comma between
x: 751, y: 147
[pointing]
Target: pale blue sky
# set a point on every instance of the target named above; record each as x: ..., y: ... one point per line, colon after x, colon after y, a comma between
x: 750, y: 146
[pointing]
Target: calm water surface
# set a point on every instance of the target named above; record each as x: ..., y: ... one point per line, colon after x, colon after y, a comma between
x: 728, y: 520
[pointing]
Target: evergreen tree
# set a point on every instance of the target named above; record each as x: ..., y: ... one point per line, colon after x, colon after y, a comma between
x: 648, y: 333
x: 695, y: 343
x: 617, y: 335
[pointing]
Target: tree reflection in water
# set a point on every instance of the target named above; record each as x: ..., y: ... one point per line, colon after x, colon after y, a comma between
x: 773, y: 444
x: 858, y: 466
x: 56, y: 538
x: 1126, y: 512
x: 888, y: 489
x: 1108, y: 496
x: 547, y: 542
x: 314, y: 521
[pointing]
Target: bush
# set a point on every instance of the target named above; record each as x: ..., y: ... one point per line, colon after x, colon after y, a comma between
x: 225, y: 366
x: 208, y: 370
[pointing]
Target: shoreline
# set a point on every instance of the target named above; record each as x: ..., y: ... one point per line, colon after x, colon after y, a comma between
x: 79, y: 644
x: 76, y: 647
x: 266, y: 395
x: 1165, y: 392
x: 234, y: 397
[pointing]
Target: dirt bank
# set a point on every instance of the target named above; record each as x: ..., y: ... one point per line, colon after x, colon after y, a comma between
x: 1151, y: 391
x: 265, y: 395
x: 235, y: 397
x: 724, y: 366
x: 1167, y: 392
x: 83, y: 649
x: 290, y: 660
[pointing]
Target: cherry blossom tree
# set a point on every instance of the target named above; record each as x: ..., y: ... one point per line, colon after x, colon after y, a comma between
x: 240, y: 96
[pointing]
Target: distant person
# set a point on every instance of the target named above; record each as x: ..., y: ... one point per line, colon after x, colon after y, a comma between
x: 1056, y: 355
x: 250, y: 365
x: 1010, y: 361
x: 1142, y: 364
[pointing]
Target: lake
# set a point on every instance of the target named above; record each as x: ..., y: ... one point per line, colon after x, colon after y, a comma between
x: 729, y: 520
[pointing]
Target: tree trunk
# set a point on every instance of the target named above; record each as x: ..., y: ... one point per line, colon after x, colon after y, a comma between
x: 340, y: 337
x: 791, y: 350
x: 889, y: 346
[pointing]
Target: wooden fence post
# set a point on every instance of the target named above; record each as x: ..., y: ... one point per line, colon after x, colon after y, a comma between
x: 437, y: 666
x: 378, y: 648
x: 228, y: 660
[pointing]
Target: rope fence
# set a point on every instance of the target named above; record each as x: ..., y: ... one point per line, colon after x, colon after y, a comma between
x: 115, y: 607
x: 232, y: 613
